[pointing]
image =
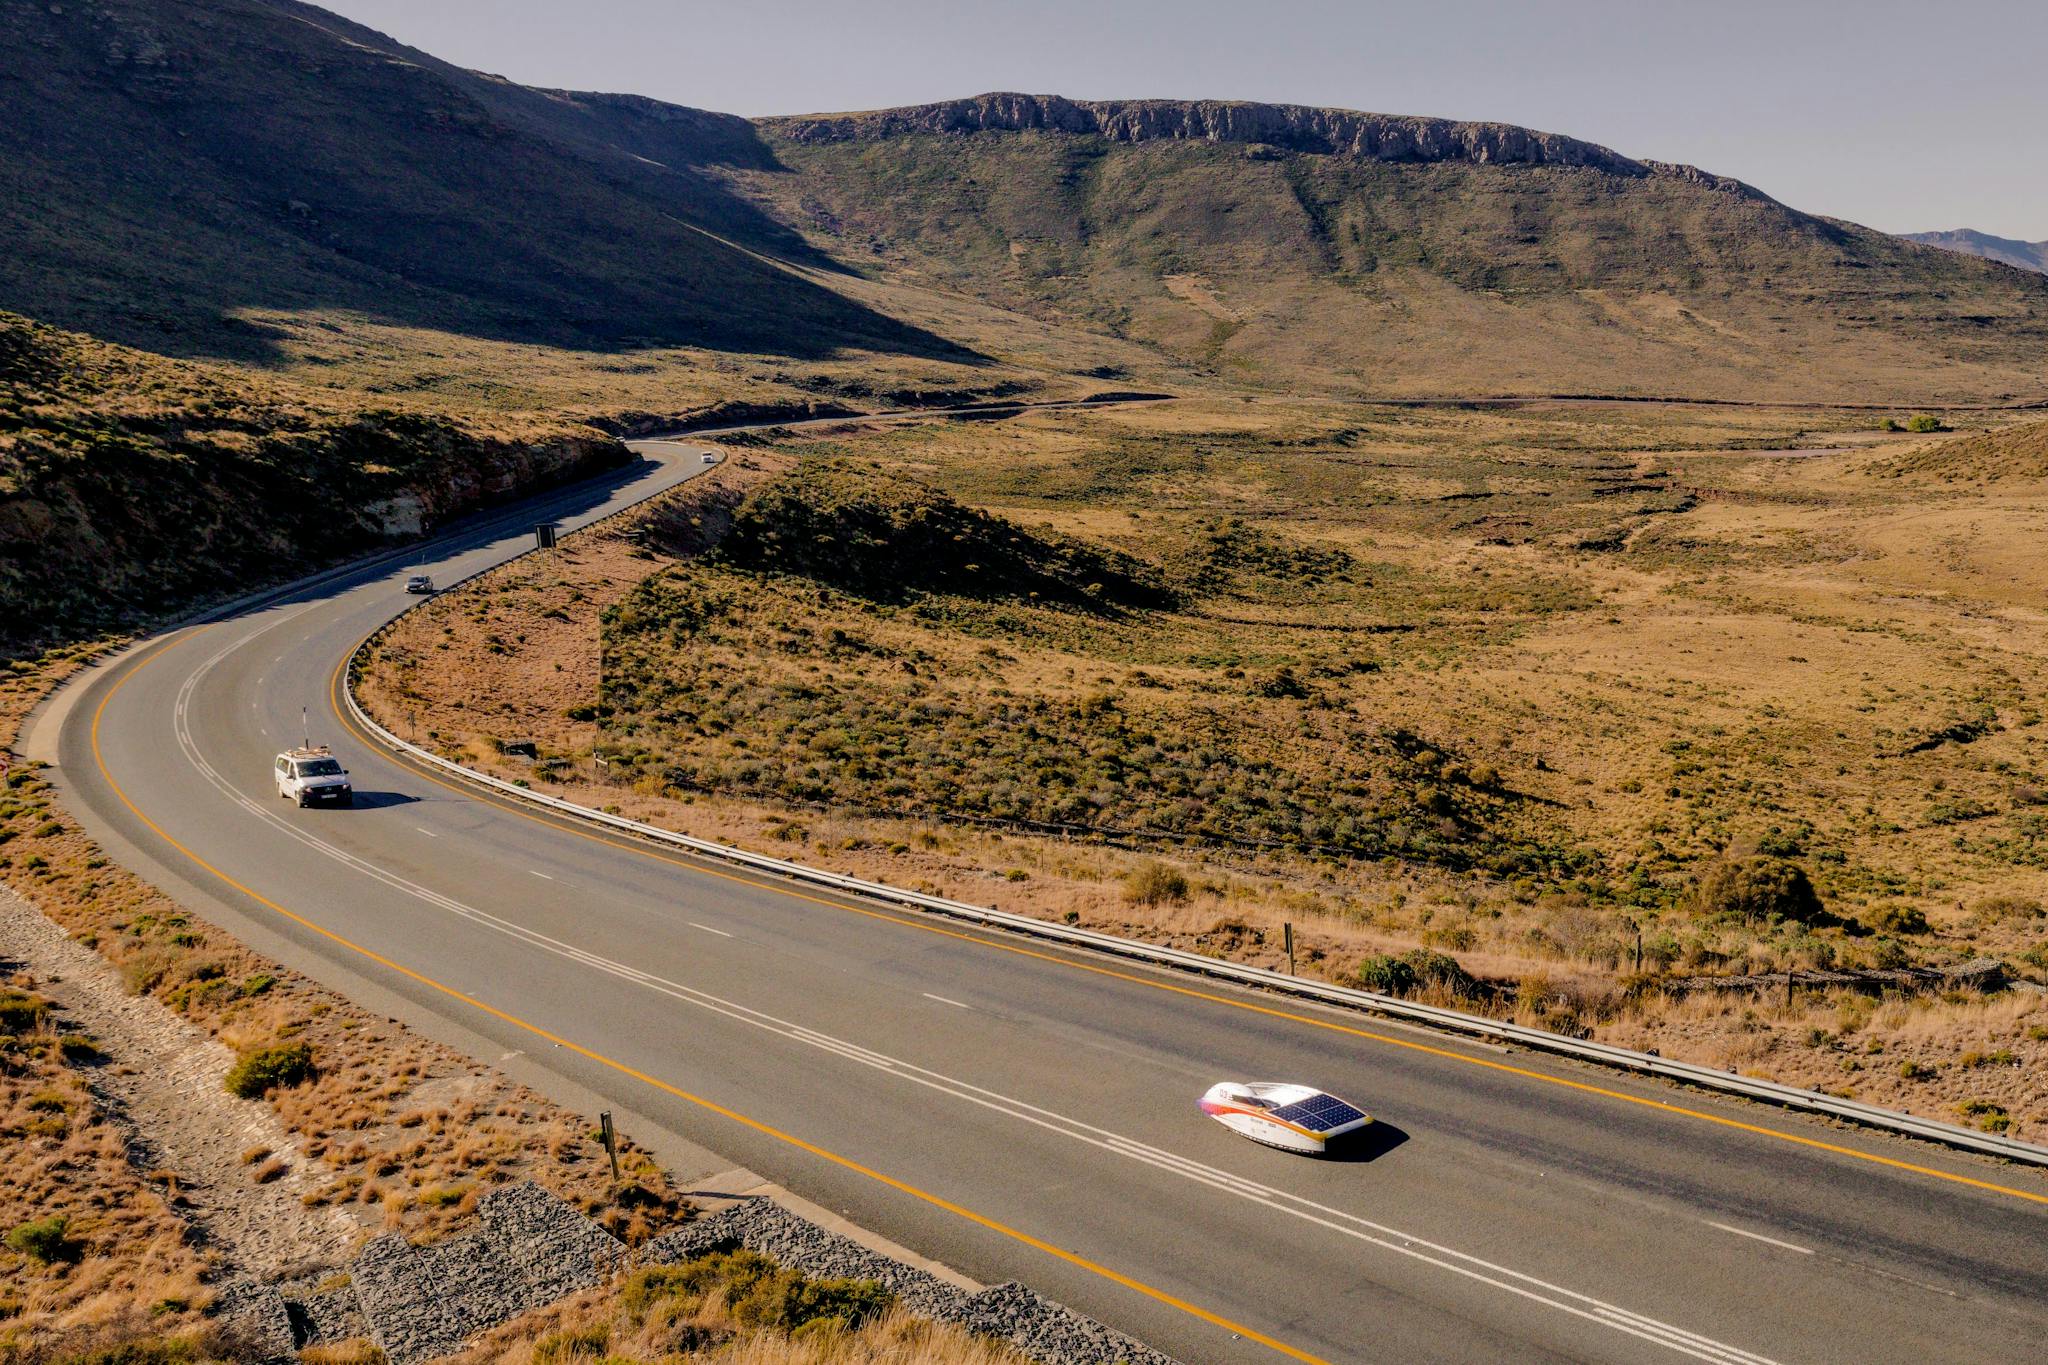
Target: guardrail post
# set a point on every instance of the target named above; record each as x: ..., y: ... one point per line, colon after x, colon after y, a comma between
x: 1287, y: 932
x: 611, y: 1141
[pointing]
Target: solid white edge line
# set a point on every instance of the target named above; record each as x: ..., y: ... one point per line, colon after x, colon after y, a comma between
x: 1758, y: 1236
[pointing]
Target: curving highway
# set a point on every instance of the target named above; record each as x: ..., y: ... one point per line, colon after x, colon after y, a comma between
x: 1012, y: 1109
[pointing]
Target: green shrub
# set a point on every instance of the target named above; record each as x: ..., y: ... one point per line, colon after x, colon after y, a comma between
x: 46, y: 1241
x: 1897, y: 919
x: 258, y: 1073
x: 1442, y: 971
x: 1924, y: 422
x: 1155, y: 883
x: 1755, y: 889
x: 1992, y: 1118
x: 1387, y: 975
x: 21, y: 1012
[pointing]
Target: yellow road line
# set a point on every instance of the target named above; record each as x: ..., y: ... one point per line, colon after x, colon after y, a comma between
x: 565, y: 825
x: 505, y: 1016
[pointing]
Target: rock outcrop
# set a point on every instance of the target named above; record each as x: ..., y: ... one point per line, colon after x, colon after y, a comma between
x: 1292, y: 127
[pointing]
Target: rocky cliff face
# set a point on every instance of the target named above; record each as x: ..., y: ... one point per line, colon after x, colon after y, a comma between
x: 1291, y: 127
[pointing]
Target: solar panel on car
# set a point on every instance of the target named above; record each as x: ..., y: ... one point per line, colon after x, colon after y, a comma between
x: 1319, y: 1113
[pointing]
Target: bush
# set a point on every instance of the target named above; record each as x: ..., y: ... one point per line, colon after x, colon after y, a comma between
x: 1442, y: 971
x: 1387, y: 975
x: 1757, y: 889
x: 46, y: 1241
x: 1155, y: 882
x: 1992, y: 1118
x: 1897, y: 919
x: 264, y: 1070
x: 1924, y: 422
x: 21, y: 1012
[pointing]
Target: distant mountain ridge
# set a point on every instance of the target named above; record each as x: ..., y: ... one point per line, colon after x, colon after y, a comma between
x: 1295, y: 127
x: 1970, y: 242
x: 1334, y: 250
x: 226, y: 178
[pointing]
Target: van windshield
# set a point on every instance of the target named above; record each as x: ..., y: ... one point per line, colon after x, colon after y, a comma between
x: 320, y: 767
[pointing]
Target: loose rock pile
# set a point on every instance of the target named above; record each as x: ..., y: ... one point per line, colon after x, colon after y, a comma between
x: 530, y: 1248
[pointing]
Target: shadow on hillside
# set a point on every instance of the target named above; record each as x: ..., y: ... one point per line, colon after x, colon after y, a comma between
x: 307, y: 165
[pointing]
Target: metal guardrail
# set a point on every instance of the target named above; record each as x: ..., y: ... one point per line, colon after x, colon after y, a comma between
x: 1431, y: 1016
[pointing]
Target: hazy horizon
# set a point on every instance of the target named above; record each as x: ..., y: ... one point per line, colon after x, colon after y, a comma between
x: 1883, y: 117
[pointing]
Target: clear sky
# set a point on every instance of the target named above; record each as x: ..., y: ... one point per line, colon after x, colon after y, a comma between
x: 1904, y: 116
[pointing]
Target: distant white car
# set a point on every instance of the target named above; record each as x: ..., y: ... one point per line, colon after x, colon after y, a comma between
x: 1294, y: 1118
x: 313, y: 777
x: 420, y: 583
x: 710, y: 457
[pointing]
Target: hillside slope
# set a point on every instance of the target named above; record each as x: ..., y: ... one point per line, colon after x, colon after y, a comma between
x: 166, y: 167
x: 2007, y: 455
x: 1370, y: 253
x: 1969, y: 241
x: 131, y: 484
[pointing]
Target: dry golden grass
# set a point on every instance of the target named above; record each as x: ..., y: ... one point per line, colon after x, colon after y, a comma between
x: 122, y: 1266
x: 666, y: 1315
x: 1680, y: 632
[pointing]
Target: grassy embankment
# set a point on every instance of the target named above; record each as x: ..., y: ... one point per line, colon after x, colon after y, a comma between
x: 736, y: 1307
x: 130, y: 484
x: 1499, y: 686
x: 88, y: 1237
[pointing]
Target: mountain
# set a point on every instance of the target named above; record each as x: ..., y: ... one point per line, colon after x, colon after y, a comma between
x: 169, y: 169
x: 2025, y: 255
x: 1382, y: 254
x: 263, y: 182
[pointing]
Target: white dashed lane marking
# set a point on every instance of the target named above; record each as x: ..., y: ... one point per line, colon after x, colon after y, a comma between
x: 1758, y: 1236
x: 709, y: 930
x: 944, y: 1001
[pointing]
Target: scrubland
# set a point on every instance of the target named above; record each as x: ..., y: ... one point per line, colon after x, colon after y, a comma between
x: 1548, y: 709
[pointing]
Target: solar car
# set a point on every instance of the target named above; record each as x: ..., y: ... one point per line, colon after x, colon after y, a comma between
x: 1294, y: 1118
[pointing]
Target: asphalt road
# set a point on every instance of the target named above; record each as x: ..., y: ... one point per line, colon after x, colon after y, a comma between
x: 1014, y: 1110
